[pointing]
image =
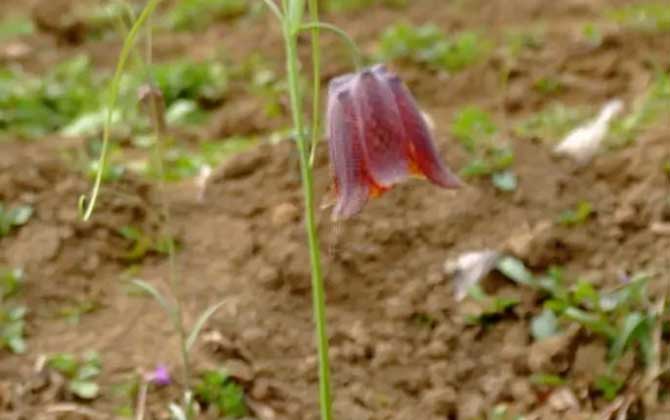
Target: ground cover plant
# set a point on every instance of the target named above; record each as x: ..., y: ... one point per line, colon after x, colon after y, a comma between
x: 154, y: 262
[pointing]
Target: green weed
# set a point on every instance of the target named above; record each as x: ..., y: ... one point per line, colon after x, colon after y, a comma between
x: 12, y: 328
x: 217, y: 389
x: 349, y: 5
x: 475, y: 130
x: 14, y: 26
x: 429, y: 45
x: 491, y: 307
x: 548, y: 85
x: 517, y: 41
x: 80, y: 372
x: 653, y: 105
x: 653, y: 16
x: 592, y: 34
x: 577, y: 216
x: 12, y: 324
x: 197, y: 14
x: 621, y: 316
x: 141, y: 243
x: 552, y: 123
x: 11, y: 218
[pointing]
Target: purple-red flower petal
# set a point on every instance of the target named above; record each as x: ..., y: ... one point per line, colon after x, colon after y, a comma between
x: 422, y: 152
x: 377, y: 137
x: 345, y: 146
x: 379, y: 120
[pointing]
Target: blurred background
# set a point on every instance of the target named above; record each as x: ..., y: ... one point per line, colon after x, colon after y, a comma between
x: 538, y: 291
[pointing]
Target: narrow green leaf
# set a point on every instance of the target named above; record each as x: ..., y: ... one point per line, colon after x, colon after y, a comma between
x: 634, y: 327
x: 86, y: 390
x: 515, y: 269
x: 20, y: 215
x: 592, y: 322
x: 155, y: 294
x: 65, y: 363
x: 295, y: 14
x: 200, y: 323
x: 544, y: 325
x: 504, y: 181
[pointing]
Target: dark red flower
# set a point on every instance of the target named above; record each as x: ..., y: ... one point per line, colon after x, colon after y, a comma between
x: 377, y: 138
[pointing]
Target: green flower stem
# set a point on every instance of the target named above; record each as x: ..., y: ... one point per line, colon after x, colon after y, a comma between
x: 316, y: 75
x: 291, y: 45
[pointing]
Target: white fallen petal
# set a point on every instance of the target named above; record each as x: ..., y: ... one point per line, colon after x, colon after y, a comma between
x: 584, y: 142
x: 201, y: 181
x: 469, y: 268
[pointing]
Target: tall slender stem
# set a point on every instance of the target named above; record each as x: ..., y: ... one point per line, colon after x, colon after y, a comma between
x: 316, y: 75
x: 318, y: 297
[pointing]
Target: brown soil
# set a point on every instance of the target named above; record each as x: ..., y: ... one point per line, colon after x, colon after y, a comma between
x: 400, y: 346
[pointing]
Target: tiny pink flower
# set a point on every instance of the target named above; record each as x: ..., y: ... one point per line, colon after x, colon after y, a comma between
x: 377, y: 138
x: 160, y: 376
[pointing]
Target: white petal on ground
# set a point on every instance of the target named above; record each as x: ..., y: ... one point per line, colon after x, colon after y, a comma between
x: 201, y: 181
x: 469, y: 268
x: 583, y: 142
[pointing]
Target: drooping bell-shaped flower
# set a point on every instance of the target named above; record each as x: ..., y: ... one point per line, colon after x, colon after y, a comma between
x: 377, y: 138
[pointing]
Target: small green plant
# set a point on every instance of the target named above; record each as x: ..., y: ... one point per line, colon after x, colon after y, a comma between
x: 552, y: 122
x: 548, y: 85
x: 14, y: 26
x: 517, y: 41
x: 650, y: 16
x: 197, y: 14
x: 349, y: 5
x: 204, y: 81
x: 12, y: 324
x: 11, y: 281
x: 577, y: 216
x: 124, y: 394
x: 73, y: 312
x: 491, y: 307
x: 14, y: 217
x: 217, y: 389
x: 80, y: 372
x: 652, y: 106
x: 592, y: 34
x: 429, y: 45
x: 180, y: 163
x: 475, y: 130
x: 621, y: 316
x: 12, y: 328
x: 547, y: 380
x: 141, y: 243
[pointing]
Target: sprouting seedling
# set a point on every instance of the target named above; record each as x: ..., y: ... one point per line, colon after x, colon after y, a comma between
x: 12, y: 324
x: 87, y: 204
x: 13, y: 217
x: 621, y: 317
x: 80, y: 372
x: 218, y: 389
x: 475, y: 130
x: 577, y: 216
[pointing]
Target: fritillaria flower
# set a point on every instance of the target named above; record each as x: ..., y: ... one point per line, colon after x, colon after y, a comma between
x: 377, y: 138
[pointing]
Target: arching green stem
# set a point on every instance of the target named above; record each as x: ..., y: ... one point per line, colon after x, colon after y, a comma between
x: 356, y: 55
x: 274, y: 9
x: 86, y: 208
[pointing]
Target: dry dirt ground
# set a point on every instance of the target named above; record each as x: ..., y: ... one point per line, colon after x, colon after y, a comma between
x: 401, y: 348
